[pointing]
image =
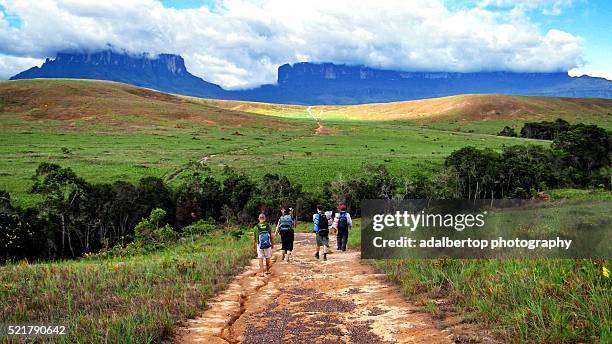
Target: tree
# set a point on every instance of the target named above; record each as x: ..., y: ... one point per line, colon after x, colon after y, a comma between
x: 62, y: 190
x: 507, y: 131
x: 475, y: 170
x: 585, y: 148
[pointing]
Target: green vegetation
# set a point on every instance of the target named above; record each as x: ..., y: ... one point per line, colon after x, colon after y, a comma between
x: 136, y: 133
x: 552, y: 301
x: 543, y: 301
x: 125, y: 151
x: 124, y: 295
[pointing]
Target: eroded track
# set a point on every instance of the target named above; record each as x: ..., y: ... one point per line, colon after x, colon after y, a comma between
x: 311, y: 301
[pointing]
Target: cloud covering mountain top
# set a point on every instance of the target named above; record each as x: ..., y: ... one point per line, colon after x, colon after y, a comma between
x: 241, y: 43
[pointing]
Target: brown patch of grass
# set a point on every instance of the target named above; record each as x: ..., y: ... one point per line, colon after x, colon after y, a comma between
x: 115, y: 105
x: 472, y: 107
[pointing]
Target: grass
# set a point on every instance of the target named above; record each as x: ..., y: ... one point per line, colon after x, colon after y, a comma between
x: 522, y: 301
x: 127, y: 299
x: 108, y: 131
x: 536, y: 301
x: 131, y: 133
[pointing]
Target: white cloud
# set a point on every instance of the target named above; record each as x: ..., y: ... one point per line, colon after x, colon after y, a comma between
x: 11, y: 65
x: 546, y: 7
x: 241, y: 43
x: 595, y: 72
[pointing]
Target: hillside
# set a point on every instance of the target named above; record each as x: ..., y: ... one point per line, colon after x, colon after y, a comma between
x: 111, y: 105
x: 464, y: 107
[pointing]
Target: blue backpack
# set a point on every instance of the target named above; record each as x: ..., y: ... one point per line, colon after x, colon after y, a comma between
x: 342, y: 221
x: 285, y: 222
x: 264, y: 237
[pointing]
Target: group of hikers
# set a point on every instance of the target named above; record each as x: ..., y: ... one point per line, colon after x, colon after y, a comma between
x: 323, y: 223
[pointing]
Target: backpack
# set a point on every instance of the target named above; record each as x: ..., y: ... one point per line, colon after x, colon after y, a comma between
x: 264, y: 237
x: 321, y: 225
x: 342, y: 221
x: 285, y: 223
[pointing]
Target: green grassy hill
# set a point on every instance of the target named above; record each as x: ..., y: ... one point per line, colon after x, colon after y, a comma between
x: 107, y: 131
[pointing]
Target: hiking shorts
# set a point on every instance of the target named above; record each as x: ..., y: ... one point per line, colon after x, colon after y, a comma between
x: 322, y: 240
x: 264, y: 252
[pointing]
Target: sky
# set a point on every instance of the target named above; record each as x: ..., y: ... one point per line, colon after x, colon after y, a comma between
x: 241, y: 43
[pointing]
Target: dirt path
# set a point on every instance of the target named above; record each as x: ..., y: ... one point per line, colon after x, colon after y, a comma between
x: 320, y: 128
x: 311, y: 301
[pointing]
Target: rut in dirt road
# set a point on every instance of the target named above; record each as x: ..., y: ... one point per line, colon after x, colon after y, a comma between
x: 312, y: 301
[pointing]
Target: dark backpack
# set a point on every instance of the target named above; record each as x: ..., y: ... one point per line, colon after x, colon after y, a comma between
x: 321, y: 224
x: 342, y: 221
x: 265, y: 240
x: 285, y: 222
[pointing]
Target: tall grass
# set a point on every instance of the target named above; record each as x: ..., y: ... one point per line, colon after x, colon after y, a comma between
x: 522, y: 301
x: 127, y: 299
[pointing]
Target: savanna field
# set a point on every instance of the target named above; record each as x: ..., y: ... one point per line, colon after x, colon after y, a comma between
x: 107, y: 131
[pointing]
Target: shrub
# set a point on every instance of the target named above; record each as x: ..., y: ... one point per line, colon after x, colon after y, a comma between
x: 149, y: 230
x: 507, y: 131
x: 198, y: 228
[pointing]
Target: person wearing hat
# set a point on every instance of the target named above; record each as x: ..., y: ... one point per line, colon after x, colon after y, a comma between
x: 342, y: 224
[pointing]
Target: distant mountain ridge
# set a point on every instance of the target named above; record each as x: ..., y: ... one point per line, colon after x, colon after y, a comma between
x: 315, y: 83
x: 164, y: 72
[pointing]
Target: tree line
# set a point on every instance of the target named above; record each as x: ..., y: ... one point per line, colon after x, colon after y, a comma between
x: 544, y: 130
x: 77, y: 217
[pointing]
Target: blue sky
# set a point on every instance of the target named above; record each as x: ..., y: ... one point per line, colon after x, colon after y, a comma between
x: 241, y: 43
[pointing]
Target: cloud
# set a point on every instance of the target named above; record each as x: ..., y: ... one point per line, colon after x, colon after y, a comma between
x: 546, y: 7
x: 241, y: 43
x: 595, y: 72
x: 11, y: 65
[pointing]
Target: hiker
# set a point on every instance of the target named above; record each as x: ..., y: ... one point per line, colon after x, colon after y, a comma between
x: 264, y: 243
x: 342, y: 224
x: 285, y: 227
x: 321, y: 228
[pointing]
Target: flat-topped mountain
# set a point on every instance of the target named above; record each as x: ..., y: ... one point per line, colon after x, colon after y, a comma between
x: 164, y: 72
x: 316, y: 83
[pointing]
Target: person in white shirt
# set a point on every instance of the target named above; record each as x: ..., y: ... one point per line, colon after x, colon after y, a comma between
x: 342, y: 224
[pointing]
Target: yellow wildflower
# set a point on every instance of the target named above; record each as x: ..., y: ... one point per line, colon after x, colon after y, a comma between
x: 605, y: 272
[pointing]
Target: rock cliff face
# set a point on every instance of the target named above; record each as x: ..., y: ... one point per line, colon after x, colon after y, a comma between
x: 164, y: 72
x: 315, y: 83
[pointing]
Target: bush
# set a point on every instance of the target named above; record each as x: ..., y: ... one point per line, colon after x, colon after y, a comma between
x: 507, y: 131
x: 198, y: 228
x: 149, y: 231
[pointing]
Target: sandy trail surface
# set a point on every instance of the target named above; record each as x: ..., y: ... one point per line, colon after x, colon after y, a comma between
x: 312, y: 301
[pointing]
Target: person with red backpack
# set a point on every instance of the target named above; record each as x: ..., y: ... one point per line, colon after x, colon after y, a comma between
x: 342, y: 224
x: 321, y: 229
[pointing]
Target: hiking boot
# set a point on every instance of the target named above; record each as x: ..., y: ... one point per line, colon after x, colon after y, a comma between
x: 316, y: 255
x: 324, y: 256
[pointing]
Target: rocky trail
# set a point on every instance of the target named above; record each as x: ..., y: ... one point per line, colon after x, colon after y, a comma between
x: 313, y: 301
